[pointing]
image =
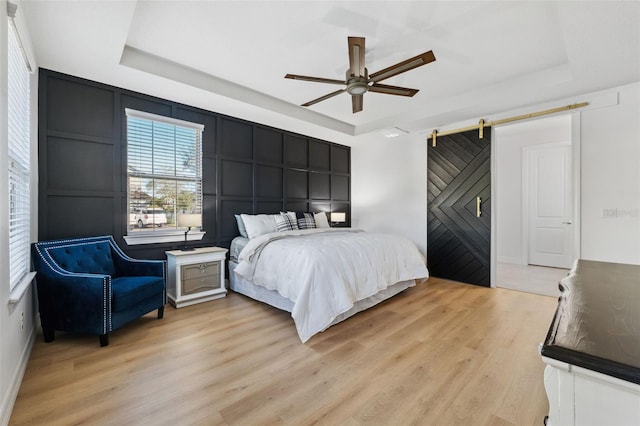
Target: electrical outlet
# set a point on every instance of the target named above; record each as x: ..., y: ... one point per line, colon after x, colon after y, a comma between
x: 22, y: 320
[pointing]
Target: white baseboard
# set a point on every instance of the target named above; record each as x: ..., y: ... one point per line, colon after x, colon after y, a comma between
x: 9, y: 398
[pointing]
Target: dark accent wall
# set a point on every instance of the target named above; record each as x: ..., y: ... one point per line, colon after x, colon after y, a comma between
x: 247, y: 167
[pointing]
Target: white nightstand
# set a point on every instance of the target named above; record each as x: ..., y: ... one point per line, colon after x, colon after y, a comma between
x: 195, y: 276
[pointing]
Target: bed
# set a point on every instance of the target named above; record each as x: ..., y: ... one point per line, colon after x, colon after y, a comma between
x: 323, y: 276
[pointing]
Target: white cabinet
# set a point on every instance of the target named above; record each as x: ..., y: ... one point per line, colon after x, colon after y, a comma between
x: 195, y: 276
x: 592, y: 349
x: 579, y: 396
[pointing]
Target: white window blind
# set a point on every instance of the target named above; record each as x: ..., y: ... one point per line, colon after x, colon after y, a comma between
x: 164, y: 170
x: 19, y: 125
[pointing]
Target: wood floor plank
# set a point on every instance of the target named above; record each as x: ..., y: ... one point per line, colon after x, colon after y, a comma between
x: 440, y: 353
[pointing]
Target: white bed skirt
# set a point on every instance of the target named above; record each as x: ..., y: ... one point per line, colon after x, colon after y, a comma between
x: 273, y: 298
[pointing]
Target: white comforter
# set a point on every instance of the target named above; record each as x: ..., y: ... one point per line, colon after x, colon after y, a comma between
x: 325, y: 271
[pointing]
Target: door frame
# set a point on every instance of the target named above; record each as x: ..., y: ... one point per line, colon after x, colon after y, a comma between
x: 575, y: 181
x: 527, y: 195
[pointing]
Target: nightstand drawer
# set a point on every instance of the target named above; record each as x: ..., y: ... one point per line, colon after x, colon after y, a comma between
x: 200, y: 284
x: 200, y: 270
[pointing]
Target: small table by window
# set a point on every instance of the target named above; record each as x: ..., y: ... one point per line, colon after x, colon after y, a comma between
x: 195, y: 276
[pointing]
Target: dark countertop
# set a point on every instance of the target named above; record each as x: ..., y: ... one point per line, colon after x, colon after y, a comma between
x: 597, y: 322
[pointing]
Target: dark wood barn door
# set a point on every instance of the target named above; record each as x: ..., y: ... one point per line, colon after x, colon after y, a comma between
x: 459, y: 207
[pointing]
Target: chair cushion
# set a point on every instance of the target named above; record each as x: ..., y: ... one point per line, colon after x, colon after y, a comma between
x: 129, y: 291
x: 84, y: 257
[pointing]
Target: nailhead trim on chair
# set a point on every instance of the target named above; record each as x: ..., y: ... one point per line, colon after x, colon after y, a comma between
x: 105, y: 298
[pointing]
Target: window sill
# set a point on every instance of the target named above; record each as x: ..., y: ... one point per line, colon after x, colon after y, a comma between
x: 15, y: 295
x: 170, y: 237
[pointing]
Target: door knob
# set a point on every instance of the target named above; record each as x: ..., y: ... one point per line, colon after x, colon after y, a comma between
x: 567, y: 222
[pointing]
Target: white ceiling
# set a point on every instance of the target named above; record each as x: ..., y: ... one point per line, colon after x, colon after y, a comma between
x: 231, y: 56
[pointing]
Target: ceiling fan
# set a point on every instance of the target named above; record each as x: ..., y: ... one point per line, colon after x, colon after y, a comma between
x: 358, y: 81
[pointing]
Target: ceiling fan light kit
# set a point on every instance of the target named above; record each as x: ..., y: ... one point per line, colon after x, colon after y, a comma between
x: 358, y: 81
x: 357, y: 85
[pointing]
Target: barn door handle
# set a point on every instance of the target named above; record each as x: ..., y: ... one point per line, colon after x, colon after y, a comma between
x: 478, y: 211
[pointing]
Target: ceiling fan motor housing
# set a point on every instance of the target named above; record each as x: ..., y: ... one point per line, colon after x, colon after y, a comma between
x: 357, y: 85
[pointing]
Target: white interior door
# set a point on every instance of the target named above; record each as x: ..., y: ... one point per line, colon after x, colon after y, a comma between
x: 550, y: 205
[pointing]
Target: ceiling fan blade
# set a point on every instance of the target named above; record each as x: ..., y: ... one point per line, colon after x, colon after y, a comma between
x: 356, y: 56
x: 315, y: 79
x: 409, y: 64
x: 392, y: 90
x: 322, y: 98
x: 356, y: 103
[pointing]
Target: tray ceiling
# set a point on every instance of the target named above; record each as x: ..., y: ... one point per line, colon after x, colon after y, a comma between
x: 229, y: 56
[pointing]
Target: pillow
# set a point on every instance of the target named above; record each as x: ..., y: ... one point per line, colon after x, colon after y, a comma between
x: 321, y: 220
x: 285, y: 223
x: 294, y: 220
x: 241, y: 227
x: 306, y: 221
x: 259, y: 224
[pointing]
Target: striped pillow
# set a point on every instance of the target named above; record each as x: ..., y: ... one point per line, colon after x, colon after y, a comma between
x: 307, y: 221
x: 292, y: 216
x: 284, y: 223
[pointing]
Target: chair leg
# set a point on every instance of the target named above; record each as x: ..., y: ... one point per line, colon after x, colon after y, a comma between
x: 49, y: 334
x: 161, y: 312
x: 104, y: 339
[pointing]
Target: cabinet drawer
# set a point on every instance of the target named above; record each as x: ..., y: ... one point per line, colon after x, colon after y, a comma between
x: 200, y: 270
x: 200, y: 284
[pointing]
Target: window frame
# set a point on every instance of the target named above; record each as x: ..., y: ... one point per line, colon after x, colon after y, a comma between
x: 19, y: 163
x: 175, y: 233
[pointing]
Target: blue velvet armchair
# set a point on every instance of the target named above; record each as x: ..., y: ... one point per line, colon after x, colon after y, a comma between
x: 89, y: 285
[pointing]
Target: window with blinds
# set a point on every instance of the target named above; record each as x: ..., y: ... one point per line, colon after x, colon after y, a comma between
x: 19, y: 125
x: 164, y: 171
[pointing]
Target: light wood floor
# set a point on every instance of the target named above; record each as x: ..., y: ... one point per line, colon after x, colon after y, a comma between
x: 440, y: 353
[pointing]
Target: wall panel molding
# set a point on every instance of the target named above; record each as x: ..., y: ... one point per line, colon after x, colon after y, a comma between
x: 247, y: 167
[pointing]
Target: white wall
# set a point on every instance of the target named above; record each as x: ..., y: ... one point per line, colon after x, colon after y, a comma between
x: 508, y: 142
x: 15, y: 342
x: 389, y: 182
x: 610, y: 148
x: 388, y: 186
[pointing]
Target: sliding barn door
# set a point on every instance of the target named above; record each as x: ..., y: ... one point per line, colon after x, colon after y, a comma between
x: 459, y: 207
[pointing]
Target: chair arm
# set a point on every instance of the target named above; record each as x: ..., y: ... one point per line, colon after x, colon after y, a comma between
x: 75, y: 301
x: 134, y: 267
x: 128, y: 266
